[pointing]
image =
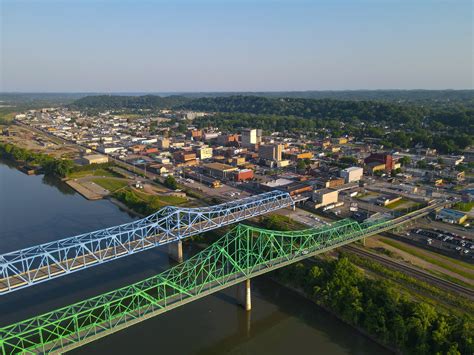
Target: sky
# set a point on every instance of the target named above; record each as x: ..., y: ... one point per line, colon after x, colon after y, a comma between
x: 259, y: 45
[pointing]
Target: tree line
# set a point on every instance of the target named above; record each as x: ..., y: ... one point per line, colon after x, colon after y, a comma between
x: 50, y: 165
x: 378, y: 308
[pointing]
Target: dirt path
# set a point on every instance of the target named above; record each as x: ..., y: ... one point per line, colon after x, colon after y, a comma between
x: 376, y: 243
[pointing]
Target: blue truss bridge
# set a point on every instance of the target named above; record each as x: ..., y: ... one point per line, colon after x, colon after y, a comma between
x: 40, y: 263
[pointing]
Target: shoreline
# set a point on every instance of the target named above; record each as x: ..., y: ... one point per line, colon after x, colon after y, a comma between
x: 301, y: 293
x: 123, y: 206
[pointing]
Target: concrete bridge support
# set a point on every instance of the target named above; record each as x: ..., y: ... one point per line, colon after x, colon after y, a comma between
x: 175, y: 251
x: 244, y: 295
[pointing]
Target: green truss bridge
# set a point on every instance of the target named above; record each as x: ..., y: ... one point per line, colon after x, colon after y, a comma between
x: 241, y: 254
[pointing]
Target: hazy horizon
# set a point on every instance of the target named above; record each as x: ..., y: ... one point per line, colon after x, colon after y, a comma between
x: 215, y: 47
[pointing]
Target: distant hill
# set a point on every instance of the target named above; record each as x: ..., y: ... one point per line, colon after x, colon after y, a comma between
x: 115, y: 102
x: 411, y: 96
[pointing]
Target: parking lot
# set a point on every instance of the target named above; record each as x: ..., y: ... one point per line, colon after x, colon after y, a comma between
x: 443, y: 240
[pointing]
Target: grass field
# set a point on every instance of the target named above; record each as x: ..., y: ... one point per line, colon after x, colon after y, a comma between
x: 97, y: 172
x: 435, y: 261
x: 157, y: 201
x: 110, y: 184
x: 463, y: 206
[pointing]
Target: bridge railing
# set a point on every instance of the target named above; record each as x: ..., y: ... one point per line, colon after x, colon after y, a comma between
x: 26, y: 267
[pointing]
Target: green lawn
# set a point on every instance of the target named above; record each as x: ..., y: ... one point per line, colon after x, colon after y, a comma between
x: 463, y: 206
x: 157, y: 201
x: 110, y: 184
x: 97, y: 172
x: 435, y: 261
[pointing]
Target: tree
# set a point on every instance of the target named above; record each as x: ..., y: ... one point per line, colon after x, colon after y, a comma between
x: 404, y: 161
x: 301, y: 164
x: 171, y: 183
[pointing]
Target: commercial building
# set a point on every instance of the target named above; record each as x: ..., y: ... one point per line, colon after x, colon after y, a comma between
x: 195, y: 134
x: 352, y: 174
x: 324, y: 197
x: 94, y: 159
x: 163, y: 143
x: 381, y: 158
x: 183, y: 156
x: 329, y: 182
x: 298, y: 155
x: 219, y: 171
x: 374, y: 167
x: 237, y: 161
x: 243, y: 174
x: 271, y: 152
x: 228, y: 139
x: 204, y: 153
x: 286, y: 185
x: 451, y: 216
x: 251, y: 137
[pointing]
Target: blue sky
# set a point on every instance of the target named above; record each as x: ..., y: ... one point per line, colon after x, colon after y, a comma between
x: 203, y: 45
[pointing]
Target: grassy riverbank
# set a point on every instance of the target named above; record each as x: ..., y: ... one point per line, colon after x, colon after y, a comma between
x: 379, y: 308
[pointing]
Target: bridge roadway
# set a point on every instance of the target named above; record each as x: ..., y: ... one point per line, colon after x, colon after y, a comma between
x: 44, y: 262
x: 243, y: 253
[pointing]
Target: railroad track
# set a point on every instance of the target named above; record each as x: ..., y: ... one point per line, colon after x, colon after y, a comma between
x: 419, y: 274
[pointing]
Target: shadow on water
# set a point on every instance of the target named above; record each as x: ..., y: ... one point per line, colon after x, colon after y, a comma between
x: 59, y: 184
x: 289, y: 305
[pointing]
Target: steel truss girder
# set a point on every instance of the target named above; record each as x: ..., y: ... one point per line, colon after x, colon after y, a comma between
x: 242, y: 253
x: 26, y: 267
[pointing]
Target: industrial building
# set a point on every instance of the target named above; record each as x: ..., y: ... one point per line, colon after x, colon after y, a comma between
x: 94, y: 159
x: 451, y: 216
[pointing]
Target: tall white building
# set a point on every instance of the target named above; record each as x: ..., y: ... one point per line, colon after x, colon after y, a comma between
x: 251, y: 137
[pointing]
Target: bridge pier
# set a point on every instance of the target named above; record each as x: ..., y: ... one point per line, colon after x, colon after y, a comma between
x: 244, y: 295
x: 175, y: 251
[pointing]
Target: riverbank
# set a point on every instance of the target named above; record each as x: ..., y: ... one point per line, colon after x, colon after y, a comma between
x: 303, y: 294
x: 90, y: 192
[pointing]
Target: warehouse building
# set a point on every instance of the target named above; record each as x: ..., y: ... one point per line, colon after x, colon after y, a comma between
x: 94, y: 159
x: 451, y: 216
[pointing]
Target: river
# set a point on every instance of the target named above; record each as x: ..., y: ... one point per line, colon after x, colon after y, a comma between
x: 36, y: 209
